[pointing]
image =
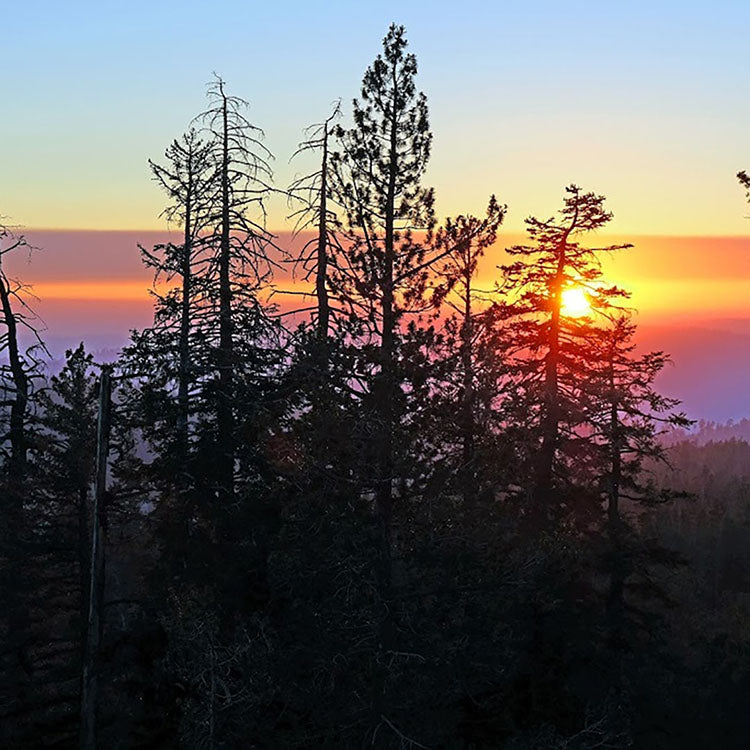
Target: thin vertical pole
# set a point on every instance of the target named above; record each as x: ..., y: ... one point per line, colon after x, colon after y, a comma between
x: 89, y: 683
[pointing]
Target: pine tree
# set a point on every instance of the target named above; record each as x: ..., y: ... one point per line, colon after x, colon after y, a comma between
x: 168, y: 363
x: 624, y: 413
x: 189, y: 179
x: 550, y: 346
x: 470, y: 330
x: 64, y: 476
x: 379, y: 173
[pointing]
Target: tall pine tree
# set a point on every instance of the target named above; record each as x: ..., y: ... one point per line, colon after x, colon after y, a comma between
x: 379, y: 171
x: 550, y: 347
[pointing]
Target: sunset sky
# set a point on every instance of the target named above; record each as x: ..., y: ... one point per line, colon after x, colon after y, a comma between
x: 645, y: 102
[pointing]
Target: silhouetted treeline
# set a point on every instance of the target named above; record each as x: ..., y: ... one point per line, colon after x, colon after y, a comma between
x: 431, y: 514
x: 707, y: 431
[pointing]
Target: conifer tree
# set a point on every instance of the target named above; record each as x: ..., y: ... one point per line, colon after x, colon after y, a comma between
x: 320, y: 372
x: 550, y: 346
x: 465, y: 240
x: 69, y: 424
x: 169, y: 361
x: 379, y: 170
x: 63, y: 477
x: 624, y: 414
x: 189, y: 179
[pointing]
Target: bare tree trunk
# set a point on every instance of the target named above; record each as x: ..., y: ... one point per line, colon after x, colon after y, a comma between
x: 618, y: 570
x: 467, y: 406
x: 90, y: 677
x: 84, y: 561
x: 387, y: 375
x: 321, y: 276
x: 551, y: 416
x: 16, y: 573
x: 18, y: 445
x: 183, y: 384
x: 225, y: 437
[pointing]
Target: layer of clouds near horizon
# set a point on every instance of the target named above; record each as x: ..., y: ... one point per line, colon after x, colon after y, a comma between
x: 636, y: 100
x: 670, y: 277
x: 692, y: 294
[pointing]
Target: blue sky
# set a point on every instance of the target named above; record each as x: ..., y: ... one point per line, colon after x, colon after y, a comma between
x: 645, y: 102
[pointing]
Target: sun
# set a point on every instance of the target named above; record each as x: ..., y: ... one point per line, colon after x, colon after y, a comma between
x: 575, y: 302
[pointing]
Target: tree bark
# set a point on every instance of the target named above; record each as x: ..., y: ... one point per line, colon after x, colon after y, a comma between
x: 15, y: 576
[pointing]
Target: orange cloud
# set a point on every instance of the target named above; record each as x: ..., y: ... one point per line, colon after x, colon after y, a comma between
x: 98, y: 289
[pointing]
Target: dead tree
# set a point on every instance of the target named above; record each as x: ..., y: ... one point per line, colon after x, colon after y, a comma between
x: 19, y: 368
x: 240, y: 245
x: 318, y: 254
x: 22, y: 363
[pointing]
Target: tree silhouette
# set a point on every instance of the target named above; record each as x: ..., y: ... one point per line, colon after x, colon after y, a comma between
x: 318, y: 254
x: 23, y: 362
x: 20, y: 367
x: 744, y: 180
x: 549, y: 356
x: 189, y: 178
x: 465, y: 240
x: 170, y: 362
x: 378, y: 182
x: 625, y: 413
x: 69, y: 440
x: 240, y: 243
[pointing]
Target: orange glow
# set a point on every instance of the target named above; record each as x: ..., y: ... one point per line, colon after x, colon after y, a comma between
x: 125, y: 290
x: 575, y: 302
